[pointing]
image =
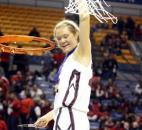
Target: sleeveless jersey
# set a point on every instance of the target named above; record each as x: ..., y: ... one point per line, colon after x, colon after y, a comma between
x: 73, y: 87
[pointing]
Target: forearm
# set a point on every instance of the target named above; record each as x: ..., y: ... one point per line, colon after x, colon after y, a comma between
x: 84, y: 48
x: 49, y: 115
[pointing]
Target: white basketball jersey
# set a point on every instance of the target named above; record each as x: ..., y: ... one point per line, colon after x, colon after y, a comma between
x: 73, y: 87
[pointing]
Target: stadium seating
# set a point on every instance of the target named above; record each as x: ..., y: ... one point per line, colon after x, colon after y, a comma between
x: 20, y: 19
x: 128, y: 57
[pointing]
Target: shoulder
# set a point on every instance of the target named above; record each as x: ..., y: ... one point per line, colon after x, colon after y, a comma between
x: 81, y: 58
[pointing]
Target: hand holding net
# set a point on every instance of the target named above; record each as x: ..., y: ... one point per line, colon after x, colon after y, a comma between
x: 95, y: 8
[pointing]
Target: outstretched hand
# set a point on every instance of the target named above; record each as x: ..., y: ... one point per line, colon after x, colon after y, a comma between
x: 41, y: 122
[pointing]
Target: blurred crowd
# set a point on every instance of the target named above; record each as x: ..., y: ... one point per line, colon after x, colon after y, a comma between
x: 125, y: 26
x: 22, y: 100
x: 111, y: 110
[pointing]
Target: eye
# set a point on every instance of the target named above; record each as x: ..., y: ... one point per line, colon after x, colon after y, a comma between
x: 65, y: 36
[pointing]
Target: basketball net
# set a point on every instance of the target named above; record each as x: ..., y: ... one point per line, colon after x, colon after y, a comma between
x: 95, y: 8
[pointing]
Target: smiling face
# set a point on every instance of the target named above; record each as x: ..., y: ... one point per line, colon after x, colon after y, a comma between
x: 66, y: 36
x: 66, y: 39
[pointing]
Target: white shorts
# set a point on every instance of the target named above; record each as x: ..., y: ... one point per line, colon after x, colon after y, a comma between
x: 70, y: 119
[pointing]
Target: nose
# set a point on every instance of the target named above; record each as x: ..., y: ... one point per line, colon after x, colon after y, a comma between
x: 62, y: 41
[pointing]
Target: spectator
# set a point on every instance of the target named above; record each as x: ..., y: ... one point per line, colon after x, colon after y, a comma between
x: 94, y: 110
x: 2, y: 95
x: 130, y: 26
x: 36, y: 110
x: 2, y: 70
x: 120, y: 25
x: 110, y: 66
x: 94, y: 81
x: 4, y: 85
x: 48, y: 64
x: 58, y: 57
x: 34, y: 32
x: 14, y: 106
x: 124, y: 41
x: 26, y: 106
x: 138, y: 89
x: 36, y: 92
x: 3, y: 111
x: 3, y: 125
x: 1, y: 33
x: 16, y: 82
x: 99, y: 92
x: 138, y: 32
x: 126, y: 125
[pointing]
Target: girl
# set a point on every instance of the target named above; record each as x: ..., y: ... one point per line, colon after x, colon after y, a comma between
x: 72, y: 98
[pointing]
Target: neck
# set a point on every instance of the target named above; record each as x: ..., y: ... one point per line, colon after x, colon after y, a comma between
x: 70, y: 52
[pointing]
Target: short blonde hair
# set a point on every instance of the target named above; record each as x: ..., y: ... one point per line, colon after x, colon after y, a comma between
x: 73, y: 27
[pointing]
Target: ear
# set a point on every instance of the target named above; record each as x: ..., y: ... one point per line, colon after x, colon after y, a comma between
x: 77, y: 36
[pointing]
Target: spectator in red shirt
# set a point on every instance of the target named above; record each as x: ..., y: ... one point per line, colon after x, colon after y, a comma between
x: 26, y: 106
x: 14, y: 106
x: 17, y: 77
x: 4, y: 84
x: 3, y: 125
x: 58, y: 57
x: 16, y: 81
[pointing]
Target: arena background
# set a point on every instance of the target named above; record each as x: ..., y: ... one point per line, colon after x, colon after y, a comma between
x: 26, y: 81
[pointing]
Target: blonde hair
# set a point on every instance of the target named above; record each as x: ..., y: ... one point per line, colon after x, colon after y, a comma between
x: 73, y: 27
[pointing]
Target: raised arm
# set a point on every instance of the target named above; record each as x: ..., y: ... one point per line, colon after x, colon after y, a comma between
x: 83, y: 51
